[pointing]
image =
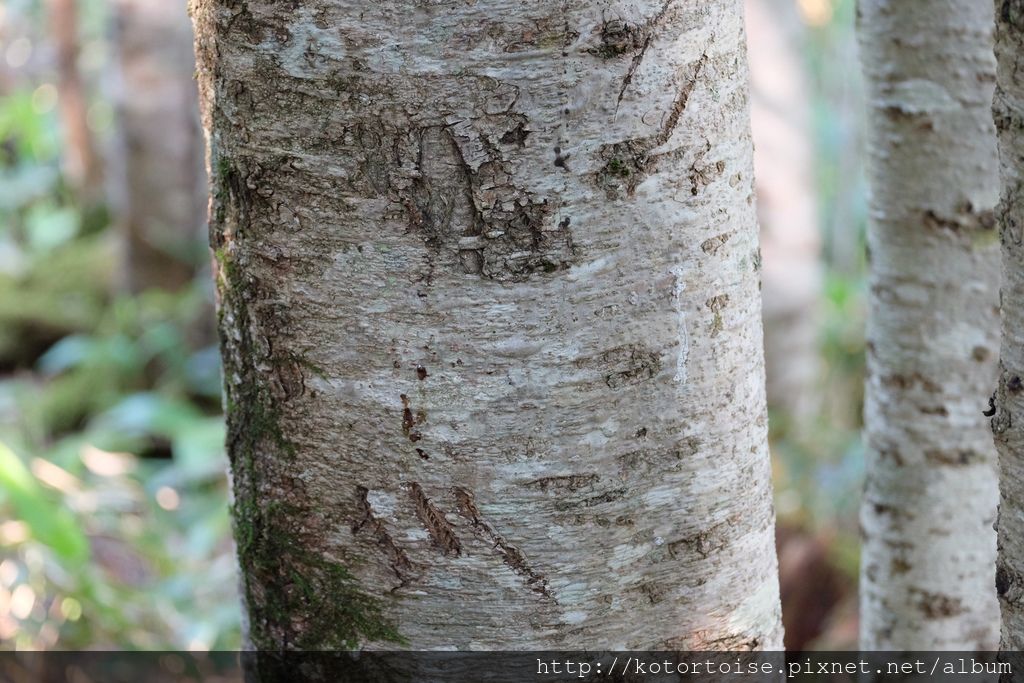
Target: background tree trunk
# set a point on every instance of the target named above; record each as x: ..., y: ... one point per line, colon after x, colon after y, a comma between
x: 490, y: 322
x: 788, y: 213
x: 81, y: 162
x: 1008, y: 423
x: 930, y: 495
x: 163, y: 180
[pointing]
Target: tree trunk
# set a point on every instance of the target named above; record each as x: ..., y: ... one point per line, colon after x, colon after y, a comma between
x: 81, y: 163
x: 163, y: 183
x: 1008, y: 423
x: 930, y: 495
x: 786, y: 206
x: 490, y: 323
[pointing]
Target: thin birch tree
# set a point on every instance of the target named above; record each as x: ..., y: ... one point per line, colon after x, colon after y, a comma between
x: 1008, y: 421
x: 930, y: 495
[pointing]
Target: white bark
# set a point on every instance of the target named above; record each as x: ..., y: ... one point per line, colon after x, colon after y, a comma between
x: 929, y: 501
x: 491, y: 322
x: 1008, y: 423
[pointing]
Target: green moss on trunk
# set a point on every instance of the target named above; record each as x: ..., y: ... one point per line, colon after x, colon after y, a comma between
x: 296, y: 596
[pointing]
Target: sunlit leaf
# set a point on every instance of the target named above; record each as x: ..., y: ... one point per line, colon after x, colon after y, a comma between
x: 50, y: 524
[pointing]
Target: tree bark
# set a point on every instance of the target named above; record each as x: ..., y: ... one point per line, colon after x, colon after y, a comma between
x: 1008, y: 422
x: 162, y: 188
x: 490, y: 323
x: 930, y: 494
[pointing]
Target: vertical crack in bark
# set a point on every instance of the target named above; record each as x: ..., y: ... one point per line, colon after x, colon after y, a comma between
x: 652, y: 26
x: 628, y: 162
x: 398, y: 560
x: 434, y: 521
x: 682, y: 98
x: 409, y: 422
x: 510, y: 555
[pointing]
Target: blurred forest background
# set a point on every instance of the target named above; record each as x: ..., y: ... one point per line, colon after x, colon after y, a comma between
x: 114, y: 525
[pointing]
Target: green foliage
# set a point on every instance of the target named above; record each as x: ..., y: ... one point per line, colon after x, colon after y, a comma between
x: 52, y: 526
x: 122, y: 450
x: 114, y: 523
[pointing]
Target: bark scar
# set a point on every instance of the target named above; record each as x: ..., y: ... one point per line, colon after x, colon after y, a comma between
x: 434, y: 521
x: 682, y: 98
x: 628, y: 162
x: 510, y: 555
x: 639, y: 57
x: 399, y: 561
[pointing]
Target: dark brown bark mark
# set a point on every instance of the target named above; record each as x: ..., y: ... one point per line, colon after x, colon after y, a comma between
x: 624, y: 365
x: 892, y: 454
x: 496, y: 229
x: 713, y: 244
x: 409, y: 422
x: 654, y: 592
x: 570, y: 482
x: 909, y: 381
x: 628, y: 162
x: 510, y: 554
x: 702, y: 174
x: 643, y: 458
x: 516, y: 136
x: 648, y: 35
x: 954, y: 457
x: 896, y: 513
x: 617, y: 38
x: 434, y: 521
x: 717, y: 303
x: 398, y: 560
x: 965, y: 219
x: 937, y: 605
x: 940, y: 411
x: 606, y: 497
x: 1009, y: 584
x: 899, y: 566
x: 704, y: 543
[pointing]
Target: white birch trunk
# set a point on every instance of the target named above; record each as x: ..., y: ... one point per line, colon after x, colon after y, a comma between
x: 491, y: 322
x: 929, y: 501
x: 1008, y: 423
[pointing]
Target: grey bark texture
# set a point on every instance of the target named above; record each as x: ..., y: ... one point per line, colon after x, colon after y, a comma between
x: 1008, y: 422
x: 930, y: 494
x: 490, y: 319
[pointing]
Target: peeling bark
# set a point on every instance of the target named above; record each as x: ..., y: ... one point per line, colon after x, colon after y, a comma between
x: 1008, y: 421
x: 486, y: 395
x: 930, y: 493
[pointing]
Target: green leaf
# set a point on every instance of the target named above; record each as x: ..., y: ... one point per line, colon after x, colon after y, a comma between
x: 49, y: 524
